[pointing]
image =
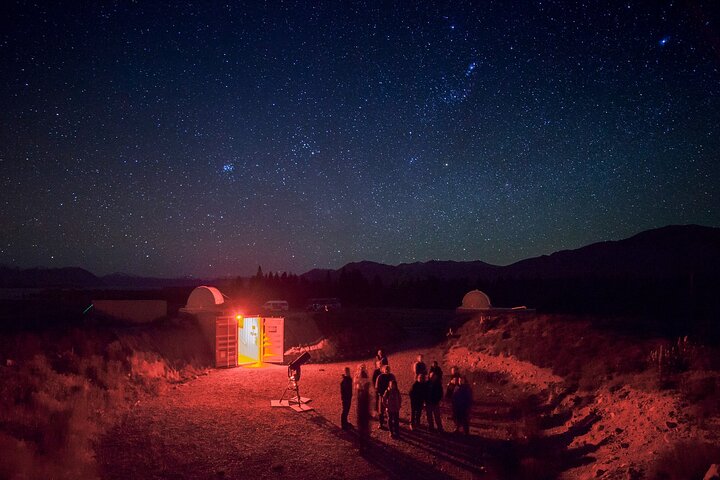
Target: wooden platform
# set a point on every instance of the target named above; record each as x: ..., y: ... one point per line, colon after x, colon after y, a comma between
x: 292, y: 403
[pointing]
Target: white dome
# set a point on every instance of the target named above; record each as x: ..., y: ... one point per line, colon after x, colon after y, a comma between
x: 476, y: 300
x: 205, y: 299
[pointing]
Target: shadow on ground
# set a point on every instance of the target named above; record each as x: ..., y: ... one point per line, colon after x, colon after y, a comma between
x: 542, y: 457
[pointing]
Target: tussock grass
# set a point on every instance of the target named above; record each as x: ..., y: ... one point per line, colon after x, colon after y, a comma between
x: 58, y: 392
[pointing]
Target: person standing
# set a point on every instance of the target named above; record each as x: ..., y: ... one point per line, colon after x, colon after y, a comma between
x: 381, y: 385
x: 381, y: 357
x: 393, y: 401
x: 346, y: 391
x: 419, y: 367
x: 435, y: 368
x: 418, y: 392
x: 453, y: 383
x: 375, y: 375
x: 362, y: 395
x: 432, y: 403
x: 461, y: 404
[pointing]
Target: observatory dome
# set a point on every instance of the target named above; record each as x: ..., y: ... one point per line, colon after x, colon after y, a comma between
x: 476, y: 300
x: 205, y: 299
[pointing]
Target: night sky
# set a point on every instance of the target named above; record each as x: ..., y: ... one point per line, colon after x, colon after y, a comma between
x: 209, y: 138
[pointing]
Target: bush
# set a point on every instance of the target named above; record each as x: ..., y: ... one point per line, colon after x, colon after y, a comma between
x: 61, y: 390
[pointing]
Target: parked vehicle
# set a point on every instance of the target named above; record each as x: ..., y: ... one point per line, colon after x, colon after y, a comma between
x: 276, y: 306
x: 323, y: 304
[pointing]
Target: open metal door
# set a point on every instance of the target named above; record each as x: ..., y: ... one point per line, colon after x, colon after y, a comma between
x: 226, y: 342
x: 273, y: 339
x: 249, y: 334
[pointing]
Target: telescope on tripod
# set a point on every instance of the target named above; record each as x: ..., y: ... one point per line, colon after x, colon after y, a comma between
x: 294, y: 401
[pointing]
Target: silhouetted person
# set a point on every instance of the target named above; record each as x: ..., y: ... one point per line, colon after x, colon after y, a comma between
x: 381, y: 384
x: 452, y: 384
x: 435, y: 368
x: 393, y: 400
x: 432, y: 403
x: 346, y: 391
x: 419, y: 367
x: 381, y: 357
x: 362, y: 395
x: 375, y: 375
x: 461, y: 404
x: 418, y: 393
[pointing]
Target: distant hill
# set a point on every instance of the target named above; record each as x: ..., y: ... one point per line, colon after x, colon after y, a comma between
x: 11, y: 277
x: 659, y: 253
x: 126, y: 280
x: 46, y: 277
x: 443, y: 270
x: 672, y: 251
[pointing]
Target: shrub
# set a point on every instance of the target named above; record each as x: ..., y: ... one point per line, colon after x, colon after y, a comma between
x: 669, y: 360
x: 57, y: 392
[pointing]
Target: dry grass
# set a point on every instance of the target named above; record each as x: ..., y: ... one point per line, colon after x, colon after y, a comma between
x: 58, y: 392
x: 571, y: 347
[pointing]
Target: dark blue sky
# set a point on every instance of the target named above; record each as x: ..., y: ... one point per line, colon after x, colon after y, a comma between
x: 207, y: 138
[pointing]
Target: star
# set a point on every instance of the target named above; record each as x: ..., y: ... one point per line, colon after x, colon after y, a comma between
x: 470, y: 69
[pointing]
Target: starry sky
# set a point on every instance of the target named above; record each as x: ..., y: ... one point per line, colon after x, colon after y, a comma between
x: 207, y: 138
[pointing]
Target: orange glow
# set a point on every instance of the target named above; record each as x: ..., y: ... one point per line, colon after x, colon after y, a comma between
x: 238, y: 317
x: 255, y: 365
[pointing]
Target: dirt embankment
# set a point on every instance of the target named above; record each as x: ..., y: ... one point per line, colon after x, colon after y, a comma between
x: 608, y: 391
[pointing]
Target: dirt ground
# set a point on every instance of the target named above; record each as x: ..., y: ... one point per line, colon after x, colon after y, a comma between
x: 221, y: 425
x: 524, y: 424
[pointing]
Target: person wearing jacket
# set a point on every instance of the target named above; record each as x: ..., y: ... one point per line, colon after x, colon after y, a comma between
x: 435, y: 368
x: 418, y: 392
x: 393, y: 400
x: 362, y: 395
x: 381, y: 357
x: 453, y: 383
x: 346, y: 391
x: 381, y: 385
x: 432, y: 403
x: 419, y: 366
x: 461, y: 403
x: 375, y: 375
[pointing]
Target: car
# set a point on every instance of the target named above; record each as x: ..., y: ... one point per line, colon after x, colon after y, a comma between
x: 323, y: 304
x: 276, y: 306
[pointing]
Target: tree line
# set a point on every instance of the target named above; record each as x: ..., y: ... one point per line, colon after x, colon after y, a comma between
x: 673, y: 305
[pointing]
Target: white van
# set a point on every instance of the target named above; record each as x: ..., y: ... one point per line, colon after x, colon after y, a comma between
x: 276, y: 306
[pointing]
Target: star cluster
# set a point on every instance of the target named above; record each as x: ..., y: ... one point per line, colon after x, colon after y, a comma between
x: 205, y: 138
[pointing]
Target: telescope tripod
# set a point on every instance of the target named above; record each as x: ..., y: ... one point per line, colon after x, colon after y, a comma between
x: 293, y: 386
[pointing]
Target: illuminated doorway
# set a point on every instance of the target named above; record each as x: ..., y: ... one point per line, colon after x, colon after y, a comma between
x: 248, y: 340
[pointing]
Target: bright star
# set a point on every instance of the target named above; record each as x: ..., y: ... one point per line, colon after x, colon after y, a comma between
x: 663, y: 41
x: 228, y: 168
x: 470, y: 69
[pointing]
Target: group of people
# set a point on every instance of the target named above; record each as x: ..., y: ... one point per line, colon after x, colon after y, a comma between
x: 426, y: 394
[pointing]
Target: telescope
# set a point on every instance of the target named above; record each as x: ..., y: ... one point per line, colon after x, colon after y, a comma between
x: 294, y: 384
x: 294, y: 366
